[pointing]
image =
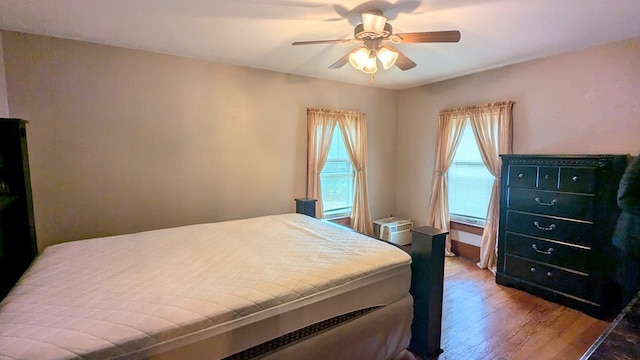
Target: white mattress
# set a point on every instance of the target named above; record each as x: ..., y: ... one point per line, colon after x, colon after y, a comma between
x: 135, y: 295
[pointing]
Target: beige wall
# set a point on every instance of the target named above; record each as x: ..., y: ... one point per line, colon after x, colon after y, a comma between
x: 124, y: 140
x: 4, y: 104
x: 577, y: 103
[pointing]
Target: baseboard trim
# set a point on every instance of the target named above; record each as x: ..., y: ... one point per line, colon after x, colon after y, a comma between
x: 465, y: 250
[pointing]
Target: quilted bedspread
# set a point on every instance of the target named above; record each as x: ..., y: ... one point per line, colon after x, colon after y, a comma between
x: 108, y: 297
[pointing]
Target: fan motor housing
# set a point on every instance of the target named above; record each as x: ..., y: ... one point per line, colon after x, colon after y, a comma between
x: 360, y: 34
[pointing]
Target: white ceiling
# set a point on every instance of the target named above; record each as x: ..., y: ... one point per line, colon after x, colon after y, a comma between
x: 259, y: 33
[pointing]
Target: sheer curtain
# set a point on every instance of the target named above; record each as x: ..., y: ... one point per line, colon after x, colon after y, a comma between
x: 320, y: 125
x: 493, y: 130
x: 354, y: 132
x: 450, y: 126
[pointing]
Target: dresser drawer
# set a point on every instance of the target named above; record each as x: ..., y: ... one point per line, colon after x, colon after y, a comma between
x: 548, y: 252
x: 522, y: 176
x: 576, y: 206
x: 578, y: 179
x: 548, y: 177
x: 573, y: 232
x: 548, y: 276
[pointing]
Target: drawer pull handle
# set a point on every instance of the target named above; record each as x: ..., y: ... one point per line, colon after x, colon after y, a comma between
x: 575, y: 178
x: 533, y: 269
x: 549, y: 274
x: 549, y: 228
x: 520, y: 176
x: 548, y: 252
x: 553, y: 202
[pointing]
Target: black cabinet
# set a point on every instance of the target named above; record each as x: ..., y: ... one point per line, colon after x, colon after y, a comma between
x: 17, y: 230
x: 557, y: 215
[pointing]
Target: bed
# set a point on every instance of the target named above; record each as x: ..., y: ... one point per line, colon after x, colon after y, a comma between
x: 274, y: 287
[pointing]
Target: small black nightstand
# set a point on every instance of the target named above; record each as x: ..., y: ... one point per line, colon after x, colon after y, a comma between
x: 306, y: 206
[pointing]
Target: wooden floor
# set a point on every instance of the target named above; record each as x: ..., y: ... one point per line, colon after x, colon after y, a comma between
x: 484, y: 320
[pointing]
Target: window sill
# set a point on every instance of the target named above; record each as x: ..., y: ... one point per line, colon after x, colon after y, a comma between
x: 344, y: 221
x: 472, y: 229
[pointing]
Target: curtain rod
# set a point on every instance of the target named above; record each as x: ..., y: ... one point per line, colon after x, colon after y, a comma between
x: 334, y: 112
x: 483, y: 106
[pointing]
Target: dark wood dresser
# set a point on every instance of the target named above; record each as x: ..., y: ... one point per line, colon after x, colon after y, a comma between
x: 557, y: 215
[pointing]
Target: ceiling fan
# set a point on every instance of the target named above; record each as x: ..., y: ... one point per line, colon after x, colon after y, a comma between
x: 377, y: 40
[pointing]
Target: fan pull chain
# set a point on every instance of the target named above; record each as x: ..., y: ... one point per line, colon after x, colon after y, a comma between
x: 372, y: 77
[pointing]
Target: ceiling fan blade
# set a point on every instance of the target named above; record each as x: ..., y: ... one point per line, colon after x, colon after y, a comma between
x: 430, y: 36
x: 315, y: 42
x: 343, y: 60
x: 403, y: 62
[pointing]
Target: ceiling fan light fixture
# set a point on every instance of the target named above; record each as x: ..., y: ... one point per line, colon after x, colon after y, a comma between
x: 376, y: 38
x: 387, y: 57
x: 370, y: 64
x: 358, y: 58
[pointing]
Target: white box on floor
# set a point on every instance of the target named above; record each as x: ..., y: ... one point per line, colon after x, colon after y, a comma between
x: 393, y: 229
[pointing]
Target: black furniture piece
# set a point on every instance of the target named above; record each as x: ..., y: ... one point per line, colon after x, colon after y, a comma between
x: 620, y: 339
x: 557, y: 215
x: 306, y: 206
x: 427, y: 281
x: 17, y: 230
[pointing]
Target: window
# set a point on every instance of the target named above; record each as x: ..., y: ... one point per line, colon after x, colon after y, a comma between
x: 469, y: 182
x: 337, y: 179
x: 336, y: 185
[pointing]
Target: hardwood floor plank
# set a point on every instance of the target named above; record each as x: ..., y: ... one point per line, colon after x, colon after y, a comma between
x: 484, y: 320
